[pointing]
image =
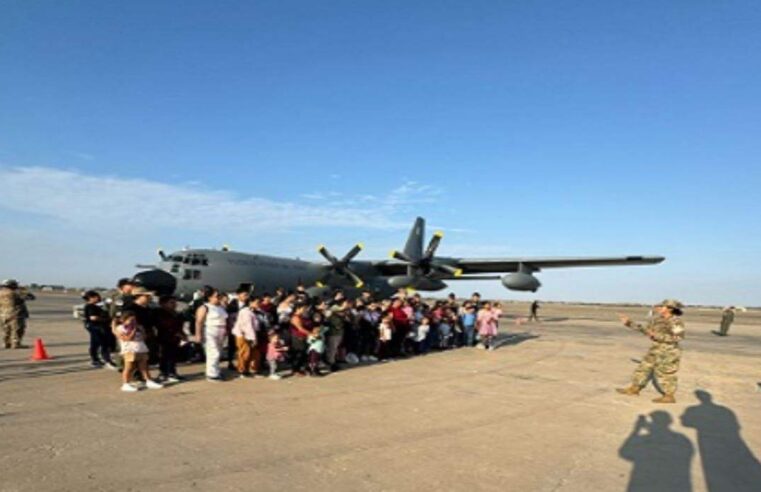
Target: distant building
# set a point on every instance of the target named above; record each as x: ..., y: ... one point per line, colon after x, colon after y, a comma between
x: 49, y: 288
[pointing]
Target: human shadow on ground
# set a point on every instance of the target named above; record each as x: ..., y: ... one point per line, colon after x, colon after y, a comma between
x: 47, y: 371
x: 728, y: 462
x: 55, y: 361
x: 506, y: 340
x: 660, y: 456
x: 67, y: 344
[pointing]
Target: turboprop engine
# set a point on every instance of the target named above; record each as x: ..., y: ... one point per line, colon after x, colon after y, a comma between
x: 521, y: 281
x: 416, y: 282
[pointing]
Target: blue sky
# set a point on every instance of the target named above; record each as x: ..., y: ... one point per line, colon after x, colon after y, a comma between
x: 519, y: 128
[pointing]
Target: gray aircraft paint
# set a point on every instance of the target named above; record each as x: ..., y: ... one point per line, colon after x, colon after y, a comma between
x: 191, y: 269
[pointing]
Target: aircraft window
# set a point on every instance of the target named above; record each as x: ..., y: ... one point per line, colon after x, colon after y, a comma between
x: 195, y: 261
x: 205, y: 262
x: 175, y: 268
x: 187, y: 274
x: 177, y: 258
x: 186, y: 260
x: 196, y: 274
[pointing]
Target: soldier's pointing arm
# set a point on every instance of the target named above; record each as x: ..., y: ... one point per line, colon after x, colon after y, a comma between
x: 632, y: 324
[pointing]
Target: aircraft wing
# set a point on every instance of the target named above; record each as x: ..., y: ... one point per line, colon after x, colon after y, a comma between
x: 508, y: 265
x: 494, y: 265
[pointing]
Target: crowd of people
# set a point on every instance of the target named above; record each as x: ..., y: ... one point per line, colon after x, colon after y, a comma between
x: 261, y: 336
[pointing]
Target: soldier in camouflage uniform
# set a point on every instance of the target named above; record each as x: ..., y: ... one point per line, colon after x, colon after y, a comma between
x: 122, y: 299
x: 12, y: 308
x: 661, y: 362
x: 727, y: 318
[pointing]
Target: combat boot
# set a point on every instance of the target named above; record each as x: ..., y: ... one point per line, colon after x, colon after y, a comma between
x: 665, y: 399
x: 631, y: 391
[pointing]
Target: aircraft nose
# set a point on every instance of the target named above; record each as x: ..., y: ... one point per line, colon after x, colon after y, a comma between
x: 159, y: 281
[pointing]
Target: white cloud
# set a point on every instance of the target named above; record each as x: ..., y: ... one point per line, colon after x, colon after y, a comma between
x: 81, y: 200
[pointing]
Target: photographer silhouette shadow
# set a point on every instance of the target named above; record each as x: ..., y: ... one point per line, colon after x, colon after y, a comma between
x: 728, y: 463
x: 661, y: 457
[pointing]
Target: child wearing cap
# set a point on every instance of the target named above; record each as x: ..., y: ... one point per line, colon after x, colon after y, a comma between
x: 134, y: 352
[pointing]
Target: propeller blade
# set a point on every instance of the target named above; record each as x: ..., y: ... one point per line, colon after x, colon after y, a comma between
x: 398, y: 255
x: 352, y: 253
x: 326, y: 254
x: 358, y: 283
x: 434, y: 244
x: 456, y: 272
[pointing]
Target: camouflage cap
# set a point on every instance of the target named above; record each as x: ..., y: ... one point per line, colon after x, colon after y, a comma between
x: 672, y: 303
x: 142, y: 291
x: 10, y: 283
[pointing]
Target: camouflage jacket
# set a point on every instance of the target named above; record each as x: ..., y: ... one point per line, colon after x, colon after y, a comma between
x: 119, y: 303
x: 662, y: 330
x: 11, y: 303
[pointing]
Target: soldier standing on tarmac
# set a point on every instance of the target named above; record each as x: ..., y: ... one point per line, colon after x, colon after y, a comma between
x: 666, y: 330
x: 12, y: 311
x: 534, y: 312
x: 123, y: 299
x: 727, y: 318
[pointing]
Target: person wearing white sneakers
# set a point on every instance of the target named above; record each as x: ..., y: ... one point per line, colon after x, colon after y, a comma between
x: 211, y: 330
x: 134, y: 352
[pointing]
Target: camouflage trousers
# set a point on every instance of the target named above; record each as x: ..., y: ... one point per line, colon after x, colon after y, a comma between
x: 661, y: 363
x: 724, y: 328
x: 13, y: 330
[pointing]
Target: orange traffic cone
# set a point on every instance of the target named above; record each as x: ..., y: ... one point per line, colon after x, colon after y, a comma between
x: 39, y: 351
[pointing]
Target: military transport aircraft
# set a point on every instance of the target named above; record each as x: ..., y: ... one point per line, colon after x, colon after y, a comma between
x: 184, y: 272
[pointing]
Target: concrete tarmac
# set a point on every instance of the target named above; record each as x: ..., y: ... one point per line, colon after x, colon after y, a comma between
x: 538, y: 414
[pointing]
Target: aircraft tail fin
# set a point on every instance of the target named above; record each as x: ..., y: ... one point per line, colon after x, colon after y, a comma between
x: 414, y: 246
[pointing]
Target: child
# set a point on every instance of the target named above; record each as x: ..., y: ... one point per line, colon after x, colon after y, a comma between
x: 316, y: 346
x: 487, y: 325
x: 445, y: 328
x: 384, y: 336
x: 275, y: 353
x: 468, y: 322
x: 244, y: 332
x: 421, y: 337
x: 134, y: 351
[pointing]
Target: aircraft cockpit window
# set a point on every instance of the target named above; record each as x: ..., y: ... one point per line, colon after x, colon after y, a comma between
x: 195, y: 260
x: 176, y: 258
x: 175, y: 268
x: 186, y: 260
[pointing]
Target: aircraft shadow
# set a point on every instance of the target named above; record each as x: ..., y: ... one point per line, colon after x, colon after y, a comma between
x: 661, y: 458
x: 728, y: 462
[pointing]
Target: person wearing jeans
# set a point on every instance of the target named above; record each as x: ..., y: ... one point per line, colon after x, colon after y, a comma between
x: 97, y: 325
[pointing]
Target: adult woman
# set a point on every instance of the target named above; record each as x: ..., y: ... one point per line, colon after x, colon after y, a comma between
x: 97, y: 325
x: 300, y: 331
x: 211, y: 330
